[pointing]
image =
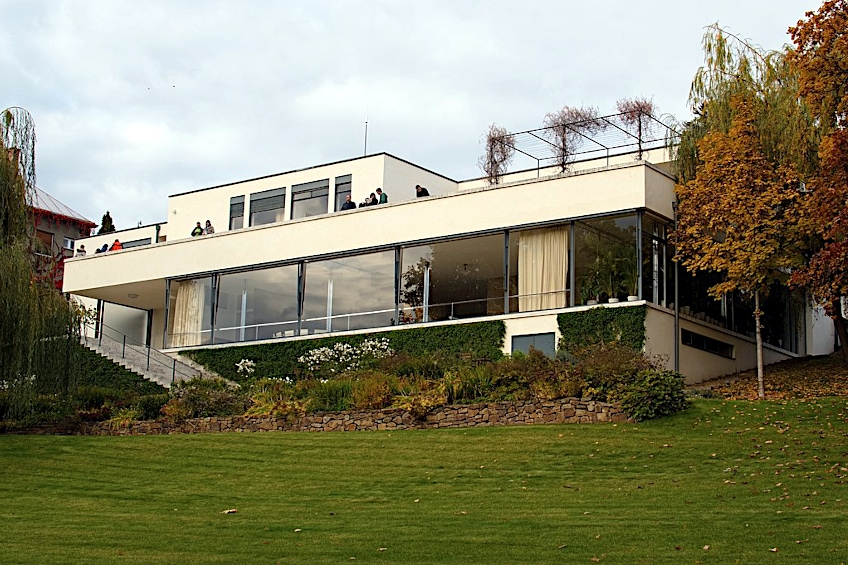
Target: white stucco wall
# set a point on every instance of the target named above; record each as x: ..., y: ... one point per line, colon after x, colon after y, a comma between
x: 820, y: 340
x: 530, y: 323
x: 131, y: 234
x: 401, y: 178
x: 695, y: 364
x: 437, y: 217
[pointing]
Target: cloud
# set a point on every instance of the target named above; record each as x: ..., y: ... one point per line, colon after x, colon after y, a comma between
x: 137, y: 100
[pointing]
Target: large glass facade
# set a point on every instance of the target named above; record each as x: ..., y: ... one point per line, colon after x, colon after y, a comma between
x: 256, y: 305
x: 453, y: 279
x: 349, y: 293
x: 190, y: 312
x: 468, y: 278
x: 606, y: 262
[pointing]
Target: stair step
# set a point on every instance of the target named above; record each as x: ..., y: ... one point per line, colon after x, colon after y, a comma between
x: 139, y: 363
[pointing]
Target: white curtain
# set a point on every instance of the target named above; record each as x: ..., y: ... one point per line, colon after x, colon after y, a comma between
x: 187, y: 314
x: 542, y: 268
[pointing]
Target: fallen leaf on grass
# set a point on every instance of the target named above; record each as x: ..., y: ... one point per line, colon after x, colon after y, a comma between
x: 773, y: 550
x: 706, y: 548
x: 230, y: 511
x: 297, y: 530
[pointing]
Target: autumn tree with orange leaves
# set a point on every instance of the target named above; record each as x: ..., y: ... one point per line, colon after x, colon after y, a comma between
x: 732, y: 216
x: 821, y: 60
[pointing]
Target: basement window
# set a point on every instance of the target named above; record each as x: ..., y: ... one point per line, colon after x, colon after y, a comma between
x: 708, y: 344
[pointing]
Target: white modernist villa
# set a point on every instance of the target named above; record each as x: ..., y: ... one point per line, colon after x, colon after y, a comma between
x: 286, y: 262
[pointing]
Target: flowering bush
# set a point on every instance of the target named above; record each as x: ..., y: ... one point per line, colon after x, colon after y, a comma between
x: 245, y: 368
x: 343, y: 358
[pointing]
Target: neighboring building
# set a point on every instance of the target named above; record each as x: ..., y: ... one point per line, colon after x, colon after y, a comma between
x: 285, y: 262
x: 58, y: 227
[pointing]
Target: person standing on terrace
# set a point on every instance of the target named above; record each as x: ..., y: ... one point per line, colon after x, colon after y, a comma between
x: 348, y: 205
x: 420, y: 191
x: 384, y: 198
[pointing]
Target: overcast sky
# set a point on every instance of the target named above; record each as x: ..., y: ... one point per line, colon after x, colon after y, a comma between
x: 137, y: 100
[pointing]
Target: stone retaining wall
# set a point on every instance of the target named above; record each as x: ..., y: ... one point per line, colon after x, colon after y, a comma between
x: 563, y: 411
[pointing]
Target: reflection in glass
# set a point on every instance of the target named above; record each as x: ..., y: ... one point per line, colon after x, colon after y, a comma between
x: 236, y: 212
x: 350, y: 293
x: 267, y: 207
x: 606, y: 266
x: 452, y: 280
x: 655, y: 261
x: 343, y: 186
x: 190, y: 312
x: 256, y: 305
x: 310, y: 199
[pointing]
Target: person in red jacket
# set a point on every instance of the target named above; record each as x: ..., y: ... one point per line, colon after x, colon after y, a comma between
x: 116, y: 246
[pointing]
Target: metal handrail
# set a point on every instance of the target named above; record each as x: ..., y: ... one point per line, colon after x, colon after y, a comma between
x: 179, y: 371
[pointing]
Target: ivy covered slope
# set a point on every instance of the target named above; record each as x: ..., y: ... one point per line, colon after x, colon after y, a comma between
x: 603, y: 325
x: 97, y: 371
x: 481, y: 340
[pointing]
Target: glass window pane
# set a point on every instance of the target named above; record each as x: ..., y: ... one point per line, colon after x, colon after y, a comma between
x: 255, y: 305
x: 267, y: 207
x: 190, y: 312
x: 236, y: 212
x: 310, y: 199
x: 606, y: 266
x: 452, y: 280
x: 655, y: 261
x: 343, y: 186
x: 349, y: 293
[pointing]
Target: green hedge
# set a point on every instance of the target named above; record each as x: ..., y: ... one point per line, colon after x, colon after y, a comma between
x: 482, y: 340
x: 603, y: 325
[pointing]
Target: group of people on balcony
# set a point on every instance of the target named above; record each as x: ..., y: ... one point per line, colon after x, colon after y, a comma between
x: 201, y: 230
x: 116, y: 246
x: 378, y: 197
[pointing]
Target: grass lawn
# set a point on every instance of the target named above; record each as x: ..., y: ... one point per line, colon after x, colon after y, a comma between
x: 725, y: 482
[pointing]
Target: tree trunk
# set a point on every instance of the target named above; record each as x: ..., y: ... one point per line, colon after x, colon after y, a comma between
x: 761, y: 392
x: 834, y: 310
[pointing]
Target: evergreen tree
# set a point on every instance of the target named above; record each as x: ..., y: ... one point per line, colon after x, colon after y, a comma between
x: 106, y: 225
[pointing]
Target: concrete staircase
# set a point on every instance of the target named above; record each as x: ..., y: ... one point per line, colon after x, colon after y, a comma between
x: 144, y: 361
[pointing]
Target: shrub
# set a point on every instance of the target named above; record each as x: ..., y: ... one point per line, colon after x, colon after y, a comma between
x: 608, y: 367
x: 198, y: 398
x: 124, y: 417
x: 373, y: 390
x: 150, y: 406
x: 343, y: 357
x: 653, y: 394
x: 430, y: 366
x: 277, y: 397
x: 335, y: 395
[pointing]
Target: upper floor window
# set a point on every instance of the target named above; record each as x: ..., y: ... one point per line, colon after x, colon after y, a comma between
x: 236, y: 212
x: 267, y: 207
x: 310, y: 199
x: 68, y: 243
x: 343, y: 185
